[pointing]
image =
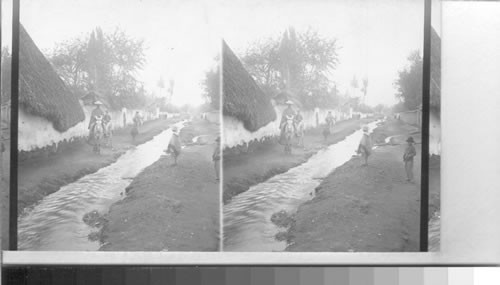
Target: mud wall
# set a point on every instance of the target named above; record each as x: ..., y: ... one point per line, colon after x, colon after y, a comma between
x: 411, y: 117
x: 435, y: 134
x: 212, y: 117
x: 37, y: 132
x: 235, y: 133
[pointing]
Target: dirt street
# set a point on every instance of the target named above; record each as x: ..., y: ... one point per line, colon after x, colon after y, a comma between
x: 170, y: 208
x: 39, y: 177
x: 42, y: 176
x: 365, y: 209
x: 247, y: 169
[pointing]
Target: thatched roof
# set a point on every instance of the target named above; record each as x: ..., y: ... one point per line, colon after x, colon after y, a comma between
x: 41, y: 91
x: 242, y: 97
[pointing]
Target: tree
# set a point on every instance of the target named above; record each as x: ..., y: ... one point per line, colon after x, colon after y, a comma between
x: 364, y: 86
x: 261, y: 60
x: 380, y: 108
x: 105, y: 63
x: 300, y: 63
x: 409, y: 82
x: 211, y: 86
x: 161, y: 84
x: 6, y: 75
x: 69, y: 59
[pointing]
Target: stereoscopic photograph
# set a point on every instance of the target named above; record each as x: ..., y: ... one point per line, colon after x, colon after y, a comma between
x: 118, y: 137
x: 236, y: 126
x: 322, y: 126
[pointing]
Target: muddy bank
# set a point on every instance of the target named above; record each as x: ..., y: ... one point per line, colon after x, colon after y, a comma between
x: 268, y: 159
x: 170, y: 208
x: 42, y: 176
x: 364, y: 209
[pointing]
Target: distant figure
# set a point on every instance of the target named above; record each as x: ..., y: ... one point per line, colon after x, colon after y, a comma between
x: 108, y: 128
x: 410, y: 152
x: 330, y: 121
x: 174, y: 146
x: 137, y: 119
x: 287, y: 113
x: 97, y: 112
x: 299, y: 128
x: 107, y: 117
x: 216, y: 159
x: 365, y: 145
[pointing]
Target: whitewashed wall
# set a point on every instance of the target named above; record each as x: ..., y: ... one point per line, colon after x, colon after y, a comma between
x: 37, y: 132
x: 435, y: 135
x: 236, y: 134
x: 212, y: 117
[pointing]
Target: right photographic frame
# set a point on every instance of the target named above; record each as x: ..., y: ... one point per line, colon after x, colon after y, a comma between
x: 325, y: 128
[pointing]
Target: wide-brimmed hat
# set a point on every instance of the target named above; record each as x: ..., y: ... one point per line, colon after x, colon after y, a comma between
x: 97, y: 102
x: 288, y: 102
x: 410, y: 140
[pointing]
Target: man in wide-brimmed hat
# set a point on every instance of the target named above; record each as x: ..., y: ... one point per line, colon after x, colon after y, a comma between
x: 410, y: 152
x: 287, y: 113
x: 365, y: 145
x: 174, y: 145
x: 97, y: 112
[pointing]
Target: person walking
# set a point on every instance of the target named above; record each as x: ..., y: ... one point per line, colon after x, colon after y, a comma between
x: 174, y: 146
x: 410, y: 152
x: 365, y: 145
x: 216, y: 158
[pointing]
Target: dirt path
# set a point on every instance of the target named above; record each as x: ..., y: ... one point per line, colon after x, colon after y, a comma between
x: 247, y: 169
x: 174, y: 208
x: 42, y: 176
x: 364, y: 209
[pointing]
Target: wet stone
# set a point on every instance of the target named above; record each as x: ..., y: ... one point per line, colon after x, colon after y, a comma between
x: 94, y: 219
x: 281, y: 236
x: 282, y: 219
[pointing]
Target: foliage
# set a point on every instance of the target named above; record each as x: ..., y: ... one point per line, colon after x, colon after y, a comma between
x: 409, y: 82
x: 104, y: 63
x: 364, y: 86
x: 300, y: 63
x: 211, y: 86
x: 6, y: 75
x: 399, y: 107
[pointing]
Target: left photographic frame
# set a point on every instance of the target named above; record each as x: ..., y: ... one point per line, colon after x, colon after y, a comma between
x: 117, y: 127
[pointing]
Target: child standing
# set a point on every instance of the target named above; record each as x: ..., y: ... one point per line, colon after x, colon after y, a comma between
x: 410, y: 152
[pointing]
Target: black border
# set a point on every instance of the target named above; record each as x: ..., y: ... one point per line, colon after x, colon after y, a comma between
x: 14, y: 126
x: 424, y: 186
x: 426, y: 84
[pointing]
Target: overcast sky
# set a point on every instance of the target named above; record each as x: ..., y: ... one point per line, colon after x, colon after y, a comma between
x: 182, y: 36
x: 376, y: 36
x: 179, y: 43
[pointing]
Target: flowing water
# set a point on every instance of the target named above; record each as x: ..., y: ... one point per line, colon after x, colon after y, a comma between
x: 56, y: 222
x: 247, y: 218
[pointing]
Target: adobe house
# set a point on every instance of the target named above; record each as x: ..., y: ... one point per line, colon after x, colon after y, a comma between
x: 249, y: 114
x: 48, y: 111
